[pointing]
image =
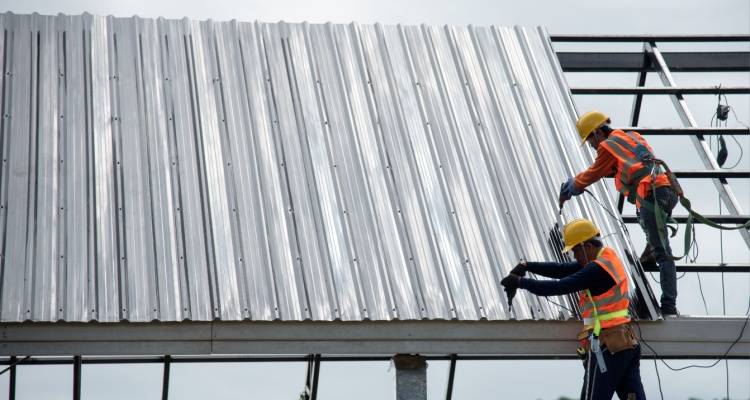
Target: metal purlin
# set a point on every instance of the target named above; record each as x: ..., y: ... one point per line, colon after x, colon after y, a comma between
x: 704, y: 151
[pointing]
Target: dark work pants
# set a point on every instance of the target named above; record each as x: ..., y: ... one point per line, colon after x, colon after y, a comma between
x: 623, y: 376
x: 666, y: 199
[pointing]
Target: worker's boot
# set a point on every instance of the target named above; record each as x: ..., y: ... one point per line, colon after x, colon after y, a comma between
x: 648, y: 258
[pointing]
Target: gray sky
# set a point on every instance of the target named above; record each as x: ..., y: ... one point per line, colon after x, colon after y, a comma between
x: 512, y: 380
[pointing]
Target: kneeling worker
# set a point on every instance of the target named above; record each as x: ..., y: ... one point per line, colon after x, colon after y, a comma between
x: 612, y: 354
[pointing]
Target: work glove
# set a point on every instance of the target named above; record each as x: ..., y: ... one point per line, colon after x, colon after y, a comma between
x: 511, y: 282
x: 519, y: 269
x: 567, y: 190
x: 510, y: 285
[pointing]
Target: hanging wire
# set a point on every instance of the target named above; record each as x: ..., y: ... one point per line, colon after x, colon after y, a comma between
x: 718, y: 124
x: 700, y: 288
x: 719, y: 359
x: 658, y: 378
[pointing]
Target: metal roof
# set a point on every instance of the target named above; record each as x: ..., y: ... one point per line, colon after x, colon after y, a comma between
x: 174, y: 169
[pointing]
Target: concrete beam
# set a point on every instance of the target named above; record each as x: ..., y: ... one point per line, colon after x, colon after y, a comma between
x: 682, y: 337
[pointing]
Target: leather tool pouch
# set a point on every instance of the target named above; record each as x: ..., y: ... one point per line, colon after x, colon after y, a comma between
x: 618, y: 338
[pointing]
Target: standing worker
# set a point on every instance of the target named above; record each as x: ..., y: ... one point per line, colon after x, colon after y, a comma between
x: 621, y: 155
x: 609, y: 349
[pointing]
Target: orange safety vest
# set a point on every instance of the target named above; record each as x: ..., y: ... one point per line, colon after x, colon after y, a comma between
x: 631, y: 150
x: 610, y: 308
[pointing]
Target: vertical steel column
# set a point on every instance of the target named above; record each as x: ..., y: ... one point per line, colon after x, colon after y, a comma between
x: 165, y: 379
x: 704, y: 151
x: 77, y: 378
x: 411, y: 377
x: 635, y: 112
x: 451, y: 376
x: 311, y: 382
x: 12, y: 379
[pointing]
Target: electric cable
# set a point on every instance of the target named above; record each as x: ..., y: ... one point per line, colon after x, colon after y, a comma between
x: 561, y: 306
x: 700, y: 288
x: 719, y: 359
x: 718, y: 124
x: 658, y: 379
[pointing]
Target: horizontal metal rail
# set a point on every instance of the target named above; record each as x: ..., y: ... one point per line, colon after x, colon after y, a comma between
x: 724, y: 173
x: 721, y: 219
x: 709, y: 61
x: 704, y: 267
x: 327, y: 358
x: 291, y: 341
x: 663, y: 90
x: 687, y: 131
x: 650, y: 38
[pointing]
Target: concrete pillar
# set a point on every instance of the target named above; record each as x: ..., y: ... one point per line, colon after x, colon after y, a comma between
x: 411, y: 377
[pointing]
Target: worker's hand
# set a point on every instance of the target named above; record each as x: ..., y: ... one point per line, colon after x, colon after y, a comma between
x: 511, y: 282
x: 567, y: 190
x: 519, y: 269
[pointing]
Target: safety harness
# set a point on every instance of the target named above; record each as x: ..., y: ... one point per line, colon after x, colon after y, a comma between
x: 650, y: 165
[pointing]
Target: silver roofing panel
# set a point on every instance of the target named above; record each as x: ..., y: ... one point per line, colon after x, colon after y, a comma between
x: 172, y: 169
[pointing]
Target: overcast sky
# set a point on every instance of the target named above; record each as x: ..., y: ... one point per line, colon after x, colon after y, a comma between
x: 510, y: 380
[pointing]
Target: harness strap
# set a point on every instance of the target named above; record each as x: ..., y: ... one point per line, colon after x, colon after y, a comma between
x: 597, y: 319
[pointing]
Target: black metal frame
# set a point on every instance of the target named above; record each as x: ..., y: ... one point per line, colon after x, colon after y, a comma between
x: 652, y: 60
x: 165, y: 379
x: 712, y: 90
x: 725, y: 61
x: 311, y: 381
x: 77, y: 364
x: 12, y: 379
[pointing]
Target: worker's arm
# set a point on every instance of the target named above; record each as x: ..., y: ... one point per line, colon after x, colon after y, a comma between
x: 553, y: 269
x: 592, y: 277
x: 605, y: 165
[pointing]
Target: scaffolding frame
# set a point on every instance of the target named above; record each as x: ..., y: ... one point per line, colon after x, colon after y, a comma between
x: 652, y: 59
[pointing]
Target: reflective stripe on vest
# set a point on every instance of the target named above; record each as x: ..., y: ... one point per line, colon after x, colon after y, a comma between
x: 630, y: 169
x: 633, y: 176
x: 610, y: 308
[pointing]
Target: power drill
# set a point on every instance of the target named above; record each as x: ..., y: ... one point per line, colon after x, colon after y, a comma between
x: 511, y: 293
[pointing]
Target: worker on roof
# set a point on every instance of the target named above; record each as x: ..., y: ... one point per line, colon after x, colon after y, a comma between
x: 610, y: 352
x: 626, y: 157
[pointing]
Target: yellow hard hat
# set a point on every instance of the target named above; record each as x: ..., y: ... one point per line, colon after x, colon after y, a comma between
x: 578, y: 231
x: 588, y: 122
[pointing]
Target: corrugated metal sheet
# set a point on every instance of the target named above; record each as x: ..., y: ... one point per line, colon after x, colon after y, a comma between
x: 174, y: 169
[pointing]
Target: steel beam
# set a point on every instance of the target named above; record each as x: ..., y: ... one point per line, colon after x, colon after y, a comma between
x: 77, y: 378
x: 724, y: 173
x: 253, y: 359
x: 411, y: 377
x: 311, y: 380
x: 721, y: 219
x: 710, y: 61
x: 12, y: 379
x: 451, y: 377
x: 165, y: 378
x: 649, y: 38
x: 691, y: 337
x: 704, y: 151
x: 704, y: 267
x: 714, y: 90
x: 687, y: 131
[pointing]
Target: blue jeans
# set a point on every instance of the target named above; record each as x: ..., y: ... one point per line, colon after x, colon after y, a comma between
x: 666, y: 199
x: 623, y: 376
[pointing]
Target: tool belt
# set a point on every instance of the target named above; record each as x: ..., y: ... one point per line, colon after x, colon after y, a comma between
x: 615, y: 339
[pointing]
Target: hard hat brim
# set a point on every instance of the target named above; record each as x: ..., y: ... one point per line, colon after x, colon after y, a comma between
x: 568, y: 248
x: 583, y: 142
